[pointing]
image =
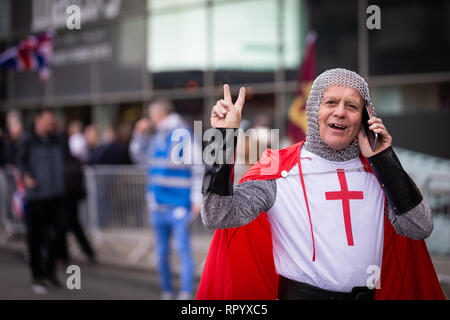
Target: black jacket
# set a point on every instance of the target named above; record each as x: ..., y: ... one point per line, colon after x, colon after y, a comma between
x: 43, y: 159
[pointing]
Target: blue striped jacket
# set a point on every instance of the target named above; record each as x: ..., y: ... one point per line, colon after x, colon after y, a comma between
x: 169, y: 184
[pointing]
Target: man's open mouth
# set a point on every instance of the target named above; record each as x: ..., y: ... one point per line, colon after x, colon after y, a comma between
x: 337, y: 126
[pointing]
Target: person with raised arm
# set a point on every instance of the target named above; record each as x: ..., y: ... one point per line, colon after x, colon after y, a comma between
x: 326, y: 218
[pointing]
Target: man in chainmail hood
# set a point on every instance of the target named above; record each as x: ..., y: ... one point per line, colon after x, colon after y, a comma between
x: 315, y: 227
x: 314, y: 143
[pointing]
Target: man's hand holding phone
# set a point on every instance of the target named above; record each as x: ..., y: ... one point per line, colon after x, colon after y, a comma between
x: 381, y: 139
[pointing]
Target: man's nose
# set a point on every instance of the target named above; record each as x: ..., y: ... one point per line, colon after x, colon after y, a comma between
x: 340, y: 110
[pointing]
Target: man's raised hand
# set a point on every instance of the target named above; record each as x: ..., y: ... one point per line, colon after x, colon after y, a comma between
x: 225, y: 114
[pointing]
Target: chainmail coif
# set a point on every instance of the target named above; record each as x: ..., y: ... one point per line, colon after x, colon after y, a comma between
x: 314, y: 143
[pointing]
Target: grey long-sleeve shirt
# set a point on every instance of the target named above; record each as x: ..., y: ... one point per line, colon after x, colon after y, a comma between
x: 253, y: 197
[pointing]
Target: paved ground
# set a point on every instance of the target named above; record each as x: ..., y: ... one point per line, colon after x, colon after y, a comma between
x: 126, y: 269
x: 97, y: 282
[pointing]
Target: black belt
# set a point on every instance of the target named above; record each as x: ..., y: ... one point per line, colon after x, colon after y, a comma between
x: 292, y: 290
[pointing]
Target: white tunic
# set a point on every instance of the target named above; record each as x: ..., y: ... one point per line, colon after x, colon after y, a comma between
x: 346, y: 244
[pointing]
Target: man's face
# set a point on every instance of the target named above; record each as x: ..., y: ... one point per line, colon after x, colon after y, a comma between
x: 15, y: 128
x: 91, y: 136
x: 156, y: 113
x: 340, y: 115
x: 46, y: 123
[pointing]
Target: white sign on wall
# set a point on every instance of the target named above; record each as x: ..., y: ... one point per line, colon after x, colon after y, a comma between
x: 48, y: 14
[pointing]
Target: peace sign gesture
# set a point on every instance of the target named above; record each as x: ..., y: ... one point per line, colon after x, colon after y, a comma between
x: 225, y: 114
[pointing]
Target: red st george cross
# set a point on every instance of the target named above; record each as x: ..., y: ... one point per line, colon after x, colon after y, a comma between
x: 345, y: 196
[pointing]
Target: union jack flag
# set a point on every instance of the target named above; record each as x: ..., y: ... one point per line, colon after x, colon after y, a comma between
x: 32, y: 53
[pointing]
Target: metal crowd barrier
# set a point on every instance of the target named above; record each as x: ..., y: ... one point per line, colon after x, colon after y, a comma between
x: 11, y: 224
x: 117, y: 214
x: 118, y: 217
x: 436, y: 190
x: 114, y: 214
x: 432, y: 176
x: 116, y: 197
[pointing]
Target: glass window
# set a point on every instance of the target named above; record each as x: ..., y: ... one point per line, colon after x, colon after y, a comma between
x: 167, y: 4
x: 177, y: 40
x: 122, y: 70
x: 190, y: 109
x: 191, y: 80
x: 336, y: 25
x: 387, y: 100
x: 5, y: 15
x: 295, y: 29
x: 27, y: 85
x: 71, y: 62
x: 245, y: 35
x: 414, y: 38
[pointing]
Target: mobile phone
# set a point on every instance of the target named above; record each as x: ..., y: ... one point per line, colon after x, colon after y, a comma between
x: 371, y: 136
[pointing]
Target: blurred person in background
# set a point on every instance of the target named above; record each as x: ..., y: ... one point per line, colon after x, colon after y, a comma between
x: 12, y: 136
x: 11, y: 142
x: 77, y: 141
x: 2, y: 148
x: 113, y: 150
x: 109, y: 150
x: 252, y: 142
x: 92, y: 137
x: 173, y: 191
x: 106, y: 151
x: 75, y: 187
x: 242, y: 151
x: 41, y: 157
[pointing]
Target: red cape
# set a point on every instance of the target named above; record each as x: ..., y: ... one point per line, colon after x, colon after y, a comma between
x: 240, y: 266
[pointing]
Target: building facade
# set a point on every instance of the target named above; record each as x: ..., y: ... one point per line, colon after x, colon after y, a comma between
x: 129, y: 52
